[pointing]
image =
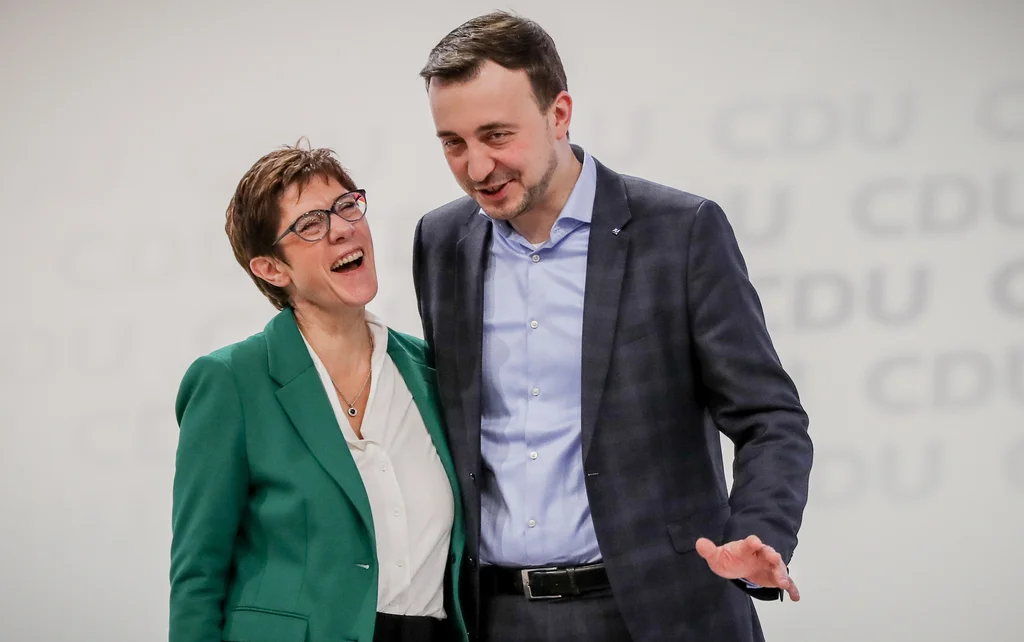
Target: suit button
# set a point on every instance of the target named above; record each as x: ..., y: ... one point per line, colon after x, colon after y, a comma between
x: 471, y: 560
x: 472, y: 476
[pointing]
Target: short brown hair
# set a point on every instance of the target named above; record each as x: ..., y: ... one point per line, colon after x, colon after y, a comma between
x: 504, y: 38
x: 254, y: 214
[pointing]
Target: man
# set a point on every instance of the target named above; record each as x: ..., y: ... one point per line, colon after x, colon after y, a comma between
x: 591, y: 333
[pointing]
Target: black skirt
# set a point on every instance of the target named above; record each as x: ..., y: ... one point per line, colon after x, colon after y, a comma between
x: 410, y: 628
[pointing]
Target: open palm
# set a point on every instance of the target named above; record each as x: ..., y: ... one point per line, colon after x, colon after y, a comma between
x: 748, y: 559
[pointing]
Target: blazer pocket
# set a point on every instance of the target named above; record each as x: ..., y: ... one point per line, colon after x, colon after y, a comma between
x: 259, y: 625
x: 709, y: 523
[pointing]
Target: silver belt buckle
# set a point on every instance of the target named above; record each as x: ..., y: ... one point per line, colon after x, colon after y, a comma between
x: 525, y: 573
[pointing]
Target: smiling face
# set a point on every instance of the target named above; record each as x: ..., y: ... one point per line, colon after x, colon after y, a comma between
x: 499, y: 144
x: 333, y: 274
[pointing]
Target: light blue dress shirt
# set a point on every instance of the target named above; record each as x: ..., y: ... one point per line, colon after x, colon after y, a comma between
x: 534, y: 508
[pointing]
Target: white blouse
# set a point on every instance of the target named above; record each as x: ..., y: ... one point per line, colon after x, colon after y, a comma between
x: 410, y: 495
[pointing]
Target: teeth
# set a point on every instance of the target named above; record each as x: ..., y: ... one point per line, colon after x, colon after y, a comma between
x: 348, y: 258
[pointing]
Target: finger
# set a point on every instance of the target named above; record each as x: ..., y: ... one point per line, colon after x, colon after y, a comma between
x: 792, y: 590
x: 771, y: 557
x: 707, y: 549
x: 768, y: 553
x: 778, y: 568
x: 753, y: 543
x: 781, y: 574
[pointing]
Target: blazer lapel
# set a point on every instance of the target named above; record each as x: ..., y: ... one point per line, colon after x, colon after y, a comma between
x: 420, y: 380
x: 469, y: 298
x: 304, y: 399
x: 606, y: 264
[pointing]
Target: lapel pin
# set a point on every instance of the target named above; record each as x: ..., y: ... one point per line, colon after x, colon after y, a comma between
x: 616, y: 231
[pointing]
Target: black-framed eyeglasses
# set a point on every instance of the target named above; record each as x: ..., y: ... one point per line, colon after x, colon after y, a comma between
x: 315, y: 224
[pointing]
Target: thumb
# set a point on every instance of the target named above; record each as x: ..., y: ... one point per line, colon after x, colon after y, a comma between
x: 706, y: 548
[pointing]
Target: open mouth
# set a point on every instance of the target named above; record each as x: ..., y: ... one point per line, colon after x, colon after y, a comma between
x: 497, y: 190
x: 349, y: 262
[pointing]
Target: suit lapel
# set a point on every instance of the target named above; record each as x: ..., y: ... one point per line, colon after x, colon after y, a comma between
x: 305, y: 401
x: 469, y: 297
x: 606, y: 264
x: 420, y: 380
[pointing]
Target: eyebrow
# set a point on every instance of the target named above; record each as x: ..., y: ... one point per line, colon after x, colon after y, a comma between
x: 486, y: 127
x: 323, y: 209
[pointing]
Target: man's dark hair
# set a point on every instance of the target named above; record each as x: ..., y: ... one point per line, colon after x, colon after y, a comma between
x: 514, y: 43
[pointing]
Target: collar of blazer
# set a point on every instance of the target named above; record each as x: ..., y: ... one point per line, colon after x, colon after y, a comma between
x: 305, y: 401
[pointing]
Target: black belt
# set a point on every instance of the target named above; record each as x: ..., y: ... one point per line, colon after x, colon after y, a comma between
x: 545, y: 583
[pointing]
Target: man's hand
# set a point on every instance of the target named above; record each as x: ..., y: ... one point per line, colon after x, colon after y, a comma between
x: 748, y: 559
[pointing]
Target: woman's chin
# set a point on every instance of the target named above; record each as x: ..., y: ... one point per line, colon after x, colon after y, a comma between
x: 357, y: 297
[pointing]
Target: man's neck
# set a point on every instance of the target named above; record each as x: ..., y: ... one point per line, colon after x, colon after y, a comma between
x: 535, y: 225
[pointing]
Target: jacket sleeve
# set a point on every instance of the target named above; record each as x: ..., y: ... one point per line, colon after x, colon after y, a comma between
x: 418, y: 273
x: 209, y: 496
x: 749, y: 395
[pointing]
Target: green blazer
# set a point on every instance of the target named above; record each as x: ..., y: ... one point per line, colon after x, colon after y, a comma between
x: 272, y: 534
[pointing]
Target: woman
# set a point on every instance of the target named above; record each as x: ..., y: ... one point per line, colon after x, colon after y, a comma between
x: 314, y: 495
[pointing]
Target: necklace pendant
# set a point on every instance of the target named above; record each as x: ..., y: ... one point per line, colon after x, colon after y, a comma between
x: 352, y: 412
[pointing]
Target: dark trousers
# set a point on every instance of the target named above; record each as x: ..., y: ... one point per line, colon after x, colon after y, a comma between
x: 588, y: 618
x: 408, y: 628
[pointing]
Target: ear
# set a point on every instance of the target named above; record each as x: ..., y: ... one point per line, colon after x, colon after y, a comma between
x: 561, y: 113
x: 272, y: 270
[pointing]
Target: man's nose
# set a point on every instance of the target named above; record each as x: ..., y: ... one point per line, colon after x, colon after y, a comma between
x: 479, y: 164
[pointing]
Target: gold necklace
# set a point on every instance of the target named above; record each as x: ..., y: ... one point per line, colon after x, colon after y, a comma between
x: 352, y: 412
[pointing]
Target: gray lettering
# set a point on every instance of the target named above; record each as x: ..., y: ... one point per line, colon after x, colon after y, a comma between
x: 876, y: 221
x: 1008, y: 288
x: 948, y: 204
x: 1007, y: 209
x: 902, y: 483
x: 760, y: 227
x: 882, y: 384
x: 962, y: 379
x: 808, y: 125
x: 842, y: 477
x: 1001, y: 113
x: 912, y: 305
x: 894, y: 126
x: 743, y: 129
x: 822, y: 300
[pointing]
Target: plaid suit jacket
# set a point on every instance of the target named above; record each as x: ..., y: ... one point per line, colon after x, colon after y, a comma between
x: 675, y: 349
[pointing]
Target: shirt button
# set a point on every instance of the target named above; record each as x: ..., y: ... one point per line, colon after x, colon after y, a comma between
x: 535, y: 391
x: 399, y: 563
x: 533, y: 455
x: 534, y: 324
x: 536, y: 258
x: 383, y: 468
x: 395, y: 512
x: 531, y: 523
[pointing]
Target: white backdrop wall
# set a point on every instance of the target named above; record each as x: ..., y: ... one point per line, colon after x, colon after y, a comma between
x: 870, y: 156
